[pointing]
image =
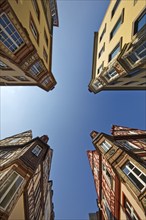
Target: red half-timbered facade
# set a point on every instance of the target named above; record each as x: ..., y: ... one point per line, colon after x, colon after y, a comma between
x: 118, y: 166
x: 25, y: 188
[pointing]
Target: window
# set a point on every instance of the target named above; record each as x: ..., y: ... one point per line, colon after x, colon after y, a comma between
x: 7, y: 78
x: 107, y: 209
x: 97, y: 84
x: 105, y: 145
x: 36, y: 151
x: 34, y: 29
x: 138, y: 54
x: 102, y: 34
x: 45, y: 37
x: 13, y: 141
x: 107, y: 175
x: 116, y: 27
x: 9, y: 35
x: 35, y: 5
x: 9, y: 189
x: 46, y: 81
x: 130, y: 210
x: 101, y: 51
x: 127, y: 144
x: 114, y: 52
x: 115, y: 8
x: 36, y: 68
x: 100, y: 68
x: 45, y: 55
x: 21, y: 78
x: 137, y: 177
x: 6, y: 154
x: 3, y: 65
x: 111, y: 73
x: 140, y: 22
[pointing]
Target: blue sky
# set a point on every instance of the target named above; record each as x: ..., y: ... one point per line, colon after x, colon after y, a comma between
x: 70, y: 112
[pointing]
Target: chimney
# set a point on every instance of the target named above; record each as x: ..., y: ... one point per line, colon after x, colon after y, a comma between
x: 93, y: 134
x: 44, y: 138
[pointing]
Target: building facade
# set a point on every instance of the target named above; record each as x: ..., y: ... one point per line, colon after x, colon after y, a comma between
x: 118, y: 166
x: 26, y: 42
x: 119, y: 51
x: 25, y: 188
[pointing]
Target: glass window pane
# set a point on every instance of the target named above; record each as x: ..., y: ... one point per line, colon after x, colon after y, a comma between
x: 11, y: 192
x: 136, y: 181
x: 8, y: 183
x: 135, y: 170
x: 125, y: 170
x: 143, y: 177
x: 141, y: 22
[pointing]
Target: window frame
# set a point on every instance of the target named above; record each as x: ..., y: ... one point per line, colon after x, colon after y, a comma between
x: 108, y: 76
x: 107, y: 175
x: 10, y: 31
x: 101, y: 51
x: 34, y: 66
x: 102, y: 34
x: 135, y: 23
x: 118, y: 45
x: 10, y: 187
x: 115, y: 8
x: 36, y: 8
x: 130, y: 171
x: 105, y: 145
x: 37, y: 150
x: 45, y: 55
x: 33, y: 29
x: 45, y: 37
x: 117, y: 25
x: 100, y: 68
x: 125, y: 201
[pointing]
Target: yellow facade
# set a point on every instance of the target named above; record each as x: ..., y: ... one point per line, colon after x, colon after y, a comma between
x: 135, y: 207
x: 23, y: 9
x: 126, y: 12
x: 31, y: 62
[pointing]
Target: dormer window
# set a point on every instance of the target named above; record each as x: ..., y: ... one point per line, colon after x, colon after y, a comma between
x: 37, y: 150
x: 105, y: 146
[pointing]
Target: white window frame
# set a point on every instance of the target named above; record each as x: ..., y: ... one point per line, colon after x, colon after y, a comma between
x: 37, y: 150
x: 133, y: 212
x: 111, y: 74
x: 9, y: 36
x: 36, y: 68
x: 137, y: 55
x: 135, y: 175
x: 9, y: 188
x: 105, y: 145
